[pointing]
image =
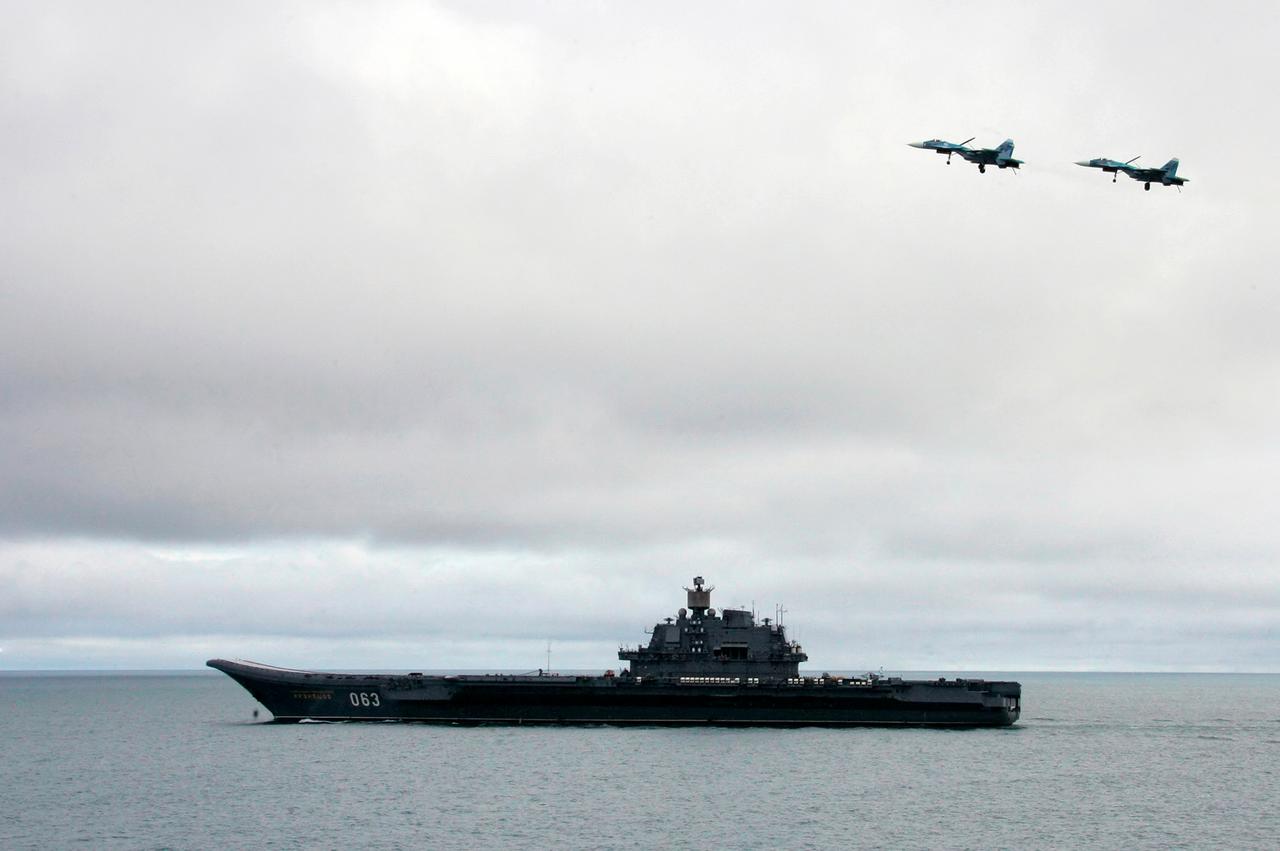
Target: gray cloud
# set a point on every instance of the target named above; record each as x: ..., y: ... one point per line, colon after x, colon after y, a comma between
x: 582, y: 287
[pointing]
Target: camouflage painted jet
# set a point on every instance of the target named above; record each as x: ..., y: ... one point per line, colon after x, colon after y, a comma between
x: 1166, y: 175
x: 1001, y: 157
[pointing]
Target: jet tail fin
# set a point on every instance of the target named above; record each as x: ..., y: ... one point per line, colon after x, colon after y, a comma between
x: 1170, y: 168
x: 1005, y: 151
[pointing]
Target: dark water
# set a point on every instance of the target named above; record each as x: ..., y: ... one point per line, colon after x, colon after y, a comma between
x: 1098, y: 761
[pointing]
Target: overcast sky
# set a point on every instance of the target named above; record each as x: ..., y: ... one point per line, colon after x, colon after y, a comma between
x: 410, y: 335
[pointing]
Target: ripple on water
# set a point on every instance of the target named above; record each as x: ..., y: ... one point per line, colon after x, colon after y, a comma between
x: 1095, y: 770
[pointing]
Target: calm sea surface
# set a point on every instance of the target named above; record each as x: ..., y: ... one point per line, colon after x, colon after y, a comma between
x: 1098, y: 761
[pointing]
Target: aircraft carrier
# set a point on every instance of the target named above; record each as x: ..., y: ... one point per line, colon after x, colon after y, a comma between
x: 699, y: 668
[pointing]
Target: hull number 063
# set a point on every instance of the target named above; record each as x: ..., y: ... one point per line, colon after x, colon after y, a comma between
x: 365, y: 698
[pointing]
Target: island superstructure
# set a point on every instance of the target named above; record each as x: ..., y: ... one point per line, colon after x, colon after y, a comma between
x: 698, y: 643
x: 700, y: 667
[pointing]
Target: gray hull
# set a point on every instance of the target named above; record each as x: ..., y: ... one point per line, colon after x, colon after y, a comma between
x: 292, y: 695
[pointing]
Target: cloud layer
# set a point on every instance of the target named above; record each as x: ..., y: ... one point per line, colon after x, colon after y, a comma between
x: 367, y: 296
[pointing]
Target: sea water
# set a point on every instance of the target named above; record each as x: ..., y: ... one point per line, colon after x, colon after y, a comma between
x: 1097, y: 761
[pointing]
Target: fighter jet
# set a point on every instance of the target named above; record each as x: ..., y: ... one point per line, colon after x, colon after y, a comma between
x: 1001, y: 157
x: 1166, y: 175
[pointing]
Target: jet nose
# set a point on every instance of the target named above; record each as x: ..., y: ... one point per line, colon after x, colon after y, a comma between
x: 916, y: 144
x: 1084, y: 163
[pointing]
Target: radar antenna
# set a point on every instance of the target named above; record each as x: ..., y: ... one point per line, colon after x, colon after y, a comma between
x: 699, y: 596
